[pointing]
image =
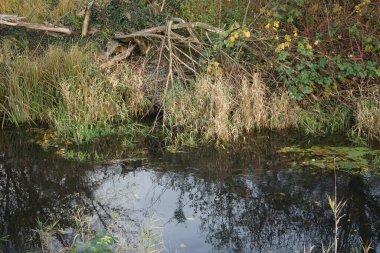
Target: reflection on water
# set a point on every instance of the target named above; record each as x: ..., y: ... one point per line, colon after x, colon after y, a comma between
x: 205, y: 201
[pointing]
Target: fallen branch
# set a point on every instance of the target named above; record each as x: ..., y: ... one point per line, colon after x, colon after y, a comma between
x: 13, y: 20
x: 10, y: 17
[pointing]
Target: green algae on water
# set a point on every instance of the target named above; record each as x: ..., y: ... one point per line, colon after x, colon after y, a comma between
x: 352, y: 159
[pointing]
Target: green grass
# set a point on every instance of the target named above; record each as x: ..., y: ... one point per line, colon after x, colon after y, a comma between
x: 316, y: 120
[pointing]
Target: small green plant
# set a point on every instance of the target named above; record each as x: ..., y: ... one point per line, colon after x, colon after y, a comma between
x: 84, y: 239
x: 46, y: 234
x: 100, y: 243
x: 336, y: 207
x: 151, y: 240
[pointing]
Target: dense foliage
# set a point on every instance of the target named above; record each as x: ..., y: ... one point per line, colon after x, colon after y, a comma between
x: 312, y: 65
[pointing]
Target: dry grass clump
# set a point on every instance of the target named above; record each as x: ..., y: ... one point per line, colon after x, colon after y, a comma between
x: 251, y: 105
x: 204, y: 107
x: 30, y: 85
x: 34, y: 11
x: 225, y: 108
x: 41, y: 10
x: 283, y: 111
x: 134, y: 88
x: 86, y: 109
x: 63, y: 7
x: 65, y: 89
x: 367, y: 119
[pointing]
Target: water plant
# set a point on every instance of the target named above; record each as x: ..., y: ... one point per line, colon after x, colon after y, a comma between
x: 337, y: 208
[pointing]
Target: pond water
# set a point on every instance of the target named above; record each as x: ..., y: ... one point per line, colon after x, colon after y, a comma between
x: 200, y: 201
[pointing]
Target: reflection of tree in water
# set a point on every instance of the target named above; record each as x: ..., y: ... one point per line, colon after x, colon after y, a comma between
x: 246, y: 201
x: 258, y: 206
x: 37, y: 185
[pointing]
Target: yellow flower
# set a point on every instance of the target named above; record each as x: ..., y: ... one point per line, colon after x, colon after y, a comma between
x: 267, y: 26
x: 276, y: 24
x: 295, y: 33
x: 288, y: 38
x: 246, y: 34
x: 282, y: 46
x: 308, y: 46
x: 276, y: 37
x: 232, y: 38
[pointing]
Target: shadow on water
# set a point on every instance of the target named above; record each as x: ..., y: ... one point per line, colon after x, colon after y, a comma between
x: 206, y: 201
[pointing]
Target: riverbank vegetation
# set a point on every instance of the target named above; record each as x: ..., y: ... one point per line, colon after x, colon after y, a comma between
x: 249, y: 66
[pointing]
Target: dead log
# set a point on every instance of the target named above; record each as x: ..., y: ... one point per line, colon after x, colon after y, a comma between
x: 13, y: 20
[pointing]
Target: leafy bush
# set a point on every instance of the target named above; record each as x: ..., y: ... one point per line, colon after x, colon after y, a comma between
x: 308, y: 39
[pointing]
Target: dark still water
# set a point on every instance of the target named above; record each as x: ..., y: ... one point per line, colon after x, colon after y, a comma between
x: 205, y: 201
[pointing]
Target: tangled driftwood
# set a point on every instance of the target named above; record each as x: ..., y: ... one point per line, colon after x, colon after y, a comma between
x: 178, y: 50
x: 168, y: 39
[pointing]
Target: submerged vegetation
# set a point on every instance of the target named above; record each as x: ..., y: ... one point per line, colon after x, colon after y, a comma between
x: 275, y: 66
